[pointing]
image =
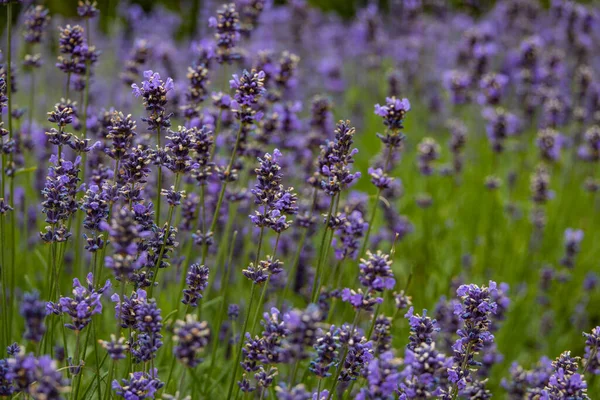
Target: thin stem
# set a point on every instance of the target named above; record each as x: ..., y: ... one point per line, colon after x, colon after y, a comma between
x: 388, y: 159
x: 264, y: 290
x: 241, y: 345
x: 167, y: 234
x: 345, y: 354
x: 316, y: 281
x: 292, y: 274
x: 222, y: 311
x: 215, y: 218
x: 216, y: 135
x: 159, y: 181
x: 462, y: 368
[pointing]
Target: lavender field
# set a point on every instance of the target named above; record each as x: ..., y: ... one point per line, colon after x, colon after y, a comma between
x: 255, y: 200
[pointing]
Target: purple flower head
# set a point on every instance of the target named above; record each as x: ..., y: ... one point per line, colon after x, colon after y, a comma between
x: 393, y: 112
x: 191, y: 337
x: 33, y: 310
x: 565, y: 382
x: 550, y: 143
x: 592, y: 351
x: 125, y: 235
x: 116, y: 349
x: 35, y: 20
x: 154, y: 94
x: 500, y: 125
x: 249, y: 87
x: 125, y: 308
x: 590, y: 150
x: 87, y: 9
x: 475, y: 311
x: 360, y: 300
x: 401, y: 300
x: 197, y: 281
x: 422, y: 328
x: 380, y: 179
x: 458, y: 84
x: 139, y: 386
x: 358, y: 357
x: 227, y: 27
x: 572, y: 242
x: 70, y: 38
x: 38, y: 377
x: 350, y: 233
x: 540, y: 186
x: 336, y: 158
x: 376, y: 272
x: 382, y: 378
x: 326, y: 346
x: 84, y: 303
x: 492, y: 88
x: 425, y: 370
x: 429, y: 151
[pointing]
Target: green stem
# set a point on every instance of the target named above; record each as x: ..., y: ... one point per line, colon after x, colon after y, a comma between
x: 222, y: 311
x: 241, y: 345
x: 317, y: 278
x: 216, y: 135
x: 167, y: 233
x: 215, y: 218
x: 345, y: 354
x: 159, y: 181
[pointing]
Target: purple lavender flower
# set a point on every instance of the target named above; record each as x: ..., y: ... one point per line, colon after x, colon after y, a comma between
x: 429, y: 151
x: 125, y: 234
x: 85, y: 303
x: 380, y: 179
x: 154, y: 94
x: 458, y: 84
x: 475, y: 311
x: 197, y: 90
x: 121, y: 132
x: 33, y: 310
x: 540, y: 186
x: 425, y: 372
x: 393, y: 112
x: 87, y: 9
x: 376, y: 272
x: 327, y: 346
x: 249, y: 87
x: 37, y: 377
x: 196, y: 280
x: 250, y: 12
x: 125, y: 308
x: 422, y: 328
x: 116, y: 349
x: 590, y: 150
x: 500, y: 125
x: 492, y: 86
x: 402, y: 301
x: 336, y: 158
x: 358, y: 356
x: 191, y: 337
x: 592, y: 355
x: 36, y: 19
x: 572, y: 242
x: 382, y: 378
x: 227, y: 33
x: 565, y: 382
x: 360, y: 300
x: 6, y: 384
x: 350, y: 233
x: 140, y: 385
x: 550, y: 143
